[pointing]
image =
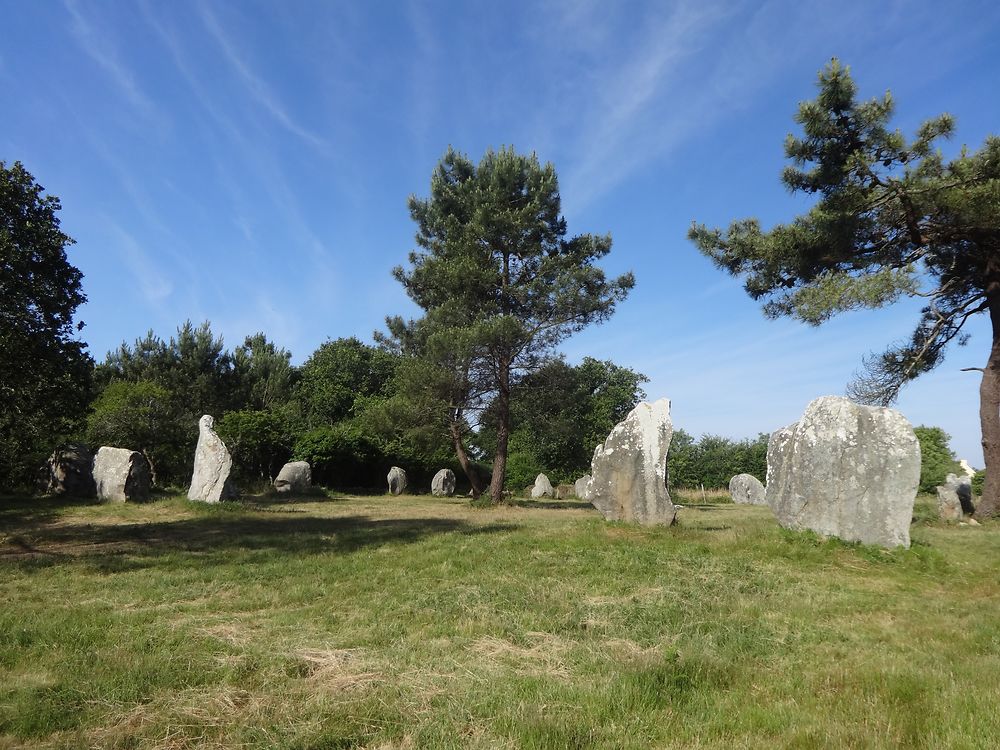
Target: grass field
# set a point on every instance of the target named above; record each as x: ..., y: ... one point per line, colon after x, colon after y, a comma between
x: 376, y: 622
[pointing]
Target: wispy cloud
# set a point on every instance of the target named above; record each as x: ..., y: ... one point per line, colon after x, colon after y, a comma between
x: 104, y: 52
x: 149, y: 276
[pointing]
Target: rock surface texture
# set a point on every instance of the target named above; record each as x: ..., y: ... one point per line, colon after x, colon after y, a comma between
x: 746, y: 489
x: 70, y: 471
x: 443, y: 483
x: 961, y: 486
x: 295, y: 476
x: 397, y: 481
x: 949, y: 506
x: 121, y: 475
x: 629, y: 471
x: 847, y: 471
x: 582, y: 487
x: 542, y: 487
x: 564, y: 491
x: 212, y: 464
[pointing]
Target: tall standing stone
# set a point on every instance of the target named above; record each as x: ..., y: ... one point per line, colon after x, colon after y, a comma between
x: 397, y: 481
x: 746, y: 489
x: 629, y: 471
x: 443, y: 483
x: 295, y: 476
x: 542, y: 487
x: 121, y: 475
x: 845, y: 470
x: 212, y: 464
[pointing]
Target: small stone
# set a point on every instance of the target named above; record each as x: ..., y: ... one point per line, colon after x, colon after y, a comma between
x: 295, y: 476
x: 973, y: 522
x: 397, y: 481
x: 212, y: 464
x: 542, y: 487
x: 582, y: 487
x: 746, y: 489
x: 564, y: 491
x: 443, y: 484
x: 121, y: 475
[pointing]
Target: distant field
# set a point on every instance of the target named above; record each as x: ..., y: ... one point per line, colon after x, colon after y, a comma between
x: 377, y: 622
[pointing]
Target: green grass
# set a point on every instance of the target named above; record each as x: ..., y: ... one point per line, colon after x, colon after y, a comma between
x: 378, y: 622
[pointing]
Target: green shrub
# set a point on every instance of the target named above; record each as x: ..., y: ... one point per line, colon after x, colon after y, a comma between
x: 936, y: 458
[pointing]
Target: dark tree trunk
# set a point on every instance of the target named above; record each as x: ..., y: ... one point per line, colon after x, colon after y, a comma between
x: 503, y: 434
x: 464, y: 462
x: 989, y: 413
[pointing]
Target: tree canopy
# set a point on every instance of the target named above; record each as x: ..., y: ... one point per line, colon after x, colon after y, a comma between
x: 45, y: 371
x: 892, y: 218
x: 496, y: 274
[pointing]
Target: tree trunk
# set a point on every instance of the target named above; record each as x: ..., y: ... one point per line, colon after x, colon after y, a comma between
x: 503, y: 434
x: 989, y: 413
x: 464, y: 462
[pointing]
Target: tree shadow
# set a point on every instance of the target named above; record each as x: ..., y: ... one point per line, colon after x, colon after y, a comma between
x: 128, y: 546
x: 554, y: 504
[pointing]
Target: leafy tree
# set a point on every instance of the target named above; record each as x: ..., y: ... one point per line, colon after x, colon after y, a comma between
x: 936, y: 457
x: 713, y: 460
x: 495, y: 272
x: 560, y: 413
x: 141, y: 416
x: 263, y: 373
x: 45, y: 372
x: 893, y: 218
x: 340, y: 379
x: 259, y: 440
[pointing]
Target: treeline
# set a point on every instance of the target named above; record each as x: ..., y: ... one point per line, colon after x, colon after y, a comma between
x: 713, y: 460
x: 346, y: 410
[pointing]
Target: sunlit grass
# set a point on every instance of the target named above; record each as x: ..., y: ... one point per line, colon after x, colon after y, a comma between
x: 423, y: 622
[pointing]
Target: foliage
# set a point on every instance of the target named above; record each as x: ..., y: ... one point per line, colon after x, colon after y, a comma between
x: 559, y: 414
x: 713, y: 460
x: 263, y: 374
x: 340, y: 379
x: 495, y: 273
x: 978, y: 480
x: 936, y: 457
x: 45, y: 371
x: 141, y: 416
x: 342, y: 455
x: 259, y: 440
x: 893, y: 218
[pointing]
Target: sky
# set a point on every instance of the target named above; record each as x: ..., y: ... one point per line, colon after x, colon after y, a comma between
x: 249, y: 163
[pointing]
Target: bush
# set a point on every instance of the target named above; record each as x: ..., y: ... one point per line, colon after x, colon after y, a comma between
x: 936, y: 458
x: 977, y: 481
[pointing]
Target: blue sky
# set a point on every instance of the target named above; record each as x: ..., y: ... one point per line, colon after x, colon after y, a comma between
x: 248, y: 163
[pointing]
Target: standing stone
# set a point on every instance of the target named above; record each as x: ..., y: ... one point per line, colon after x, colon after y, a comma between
x: 542, y: 487
x: 582, y: 487
x: 847, y: 471
x: 961, y: 486
x: 443, y: 483
x: 295, y: 476
x: 629, y: 471
x: 212, y: 464
x: 70, y: 471
x: 949, y: 506
x: 121, y: 475
x: 746, y: 489
x: 397, y: 481
x: 564, y: 491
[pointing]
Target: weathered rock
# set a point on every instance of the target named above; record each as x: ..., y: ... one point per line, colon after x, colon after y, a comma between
x: 542, y: 487
x: 295, y: 476
x: 564, y: 491
x: 121, y: 475
x: 847, y: 471
x: 582, y: 487
x: 70, y: 471
x: 949, y: 506
x: 528, y: 490
x: 746, y: 489
x: 443, y: 483
x: 961, y: 486
x: 629, y: 471
x: 212, y: 464
x: 397, y: 481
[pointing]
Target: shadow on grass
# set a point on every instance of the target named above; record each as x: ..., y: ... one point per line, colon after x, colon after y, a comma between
x: 42, y: 543
x: 553, y: 504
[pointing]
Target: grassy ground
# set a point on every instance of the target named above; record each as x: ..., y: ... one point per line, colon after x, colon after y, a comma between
x: 420, y: 622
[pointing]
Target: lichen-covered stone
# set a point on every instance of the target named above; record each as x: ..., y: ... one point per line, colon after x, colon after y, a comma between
x: 397, y: 481
x: 295, y: 476
x: 564, y: 491
x: 845, y: 470
x: 212, y: 465
x: 629, y: 471
x: 955, y: 498
x: 746, y: 489
x: 121, y: 475
x: 443, y: 483
x: 542, y: 487
x: 582, y: 487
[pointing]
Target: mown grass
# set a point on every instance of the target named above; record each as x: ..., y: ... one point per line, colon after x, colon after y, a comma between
x: 376, y: 622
